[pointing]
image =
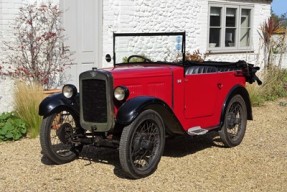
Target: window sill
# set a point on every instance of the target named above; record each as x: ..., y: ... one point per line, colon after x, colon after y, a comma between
x: 234, y: 51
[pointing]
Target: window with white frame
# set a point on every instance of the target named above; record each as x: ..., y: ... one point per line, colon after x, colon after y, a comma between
x: 230, y: 27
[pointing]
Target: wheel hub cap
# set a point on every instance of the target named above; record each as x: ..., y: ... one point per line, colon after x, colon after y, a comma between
x: 65, y: 132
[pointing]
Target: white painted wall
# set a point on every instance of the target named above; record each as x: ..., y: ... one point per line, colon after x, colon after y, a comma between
x: 155, y: 16
x: 8, y: 11
x: 280, y: 58
x: 177, y: 15
x: 149, y: 16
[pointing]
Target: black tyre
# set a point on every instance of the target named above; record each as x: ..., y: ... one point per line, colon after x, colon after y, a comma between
x: 235, y: 121
x: 57, y: 137
x: 142, y: 145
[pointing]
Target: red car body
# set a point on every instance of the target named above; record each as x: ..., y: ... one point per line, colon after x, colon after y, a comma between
x: 196, y: 99
x: 133, y: 106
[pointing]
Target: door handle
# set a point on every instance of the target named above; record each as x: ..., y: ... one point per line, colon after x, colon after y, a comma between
x: 219, y: 85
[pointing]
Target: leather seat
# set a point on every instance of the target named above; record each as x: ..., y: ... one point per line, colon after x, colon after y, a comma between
x: 224, y: 69
x: 200, y: 69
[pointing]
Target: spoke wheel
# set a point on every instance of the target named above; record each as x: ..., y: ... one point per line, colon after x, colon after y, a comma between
x: 235, y: 122
x: 57, y: 137
x: 142, y: 144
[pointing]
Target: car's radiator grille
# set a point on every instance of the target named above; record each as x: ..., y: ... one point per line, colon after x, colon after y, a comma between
x: 94, y: 101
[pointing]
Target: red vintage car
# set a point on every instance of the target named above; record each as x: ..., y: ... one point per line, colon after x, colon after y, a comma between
x: 140, y: 101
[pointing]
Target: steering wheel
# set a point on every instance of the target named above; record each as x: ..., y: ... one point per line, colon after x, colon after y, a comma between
x: 139, y: 56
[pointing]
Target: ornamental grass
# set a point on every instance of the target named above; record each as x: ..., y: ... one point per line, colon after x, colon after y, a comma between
x: 27, y: 98
x: 274, y: 86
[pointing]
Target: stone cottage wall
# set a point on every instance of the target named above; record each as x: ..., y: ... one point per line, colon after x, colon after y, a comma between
x: 148, y: 16
x: 8, y: 11
x: 154, y: 16
x: 176, y: 15
x: 280, y: 55
x: 261, y: 13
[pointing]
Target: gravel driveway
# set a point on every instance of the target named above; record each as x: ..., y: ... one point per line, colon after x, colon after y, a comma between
x: 198, y: 164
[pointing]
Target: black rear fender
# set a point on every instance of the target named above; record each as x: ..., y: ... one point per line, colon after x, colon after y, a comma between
x: 130, y: 110
x: 57, y: 102
x: 245, y: 95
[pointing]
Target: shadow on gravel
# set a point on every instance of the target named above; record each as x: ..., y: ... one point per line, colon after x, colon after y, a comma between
x: 179, y: 146
x: 92, y: 154
x: 46, y: 161
x: 176, y: 147
x: 185, y: 145
x: 109, y: 156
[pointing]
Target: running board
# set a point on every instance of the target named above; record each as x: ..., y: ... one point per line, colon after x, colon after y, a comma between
x: 196, y: 131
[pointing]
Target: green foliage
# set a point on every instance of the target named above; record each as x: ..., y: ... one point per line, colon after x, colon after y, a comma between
x: 282, y: 19
x: 27, y: 99
x: 255, y: 94
x: 11, y: 127
x: 274, y: 86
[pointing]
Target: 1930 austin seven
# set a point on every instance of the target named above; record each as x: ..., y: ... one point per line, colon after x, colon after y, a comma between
x: 150, y: 93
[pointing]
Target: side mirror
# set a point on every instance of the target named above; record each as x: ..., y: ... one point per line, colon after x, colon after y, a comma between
x: 108, y: 58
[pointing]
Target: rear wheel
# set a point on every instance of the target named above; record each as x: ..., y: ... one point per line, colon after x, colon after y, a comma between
x: 235, y: 121
x: 142, y: 145
x: 58, y: 137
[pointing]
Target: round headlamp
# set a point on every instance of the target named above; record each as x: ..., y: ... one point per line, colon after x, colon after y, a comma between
x: 69, y: 91
x: 121, y: 93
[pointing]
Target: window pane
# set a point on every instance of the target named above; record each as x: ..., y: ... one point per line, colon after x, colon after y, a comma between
x: 230, y: 35
x: 245, y: 28
x: 231, y: 17
x: 215, y: 16
x: 245, y: 37
x: 214, y: 37
x: 245, y: 17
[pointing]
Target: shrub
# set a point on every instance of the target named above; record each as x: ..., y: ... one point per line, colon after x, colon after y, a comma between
x: 267, y: 29
x: 196, y: 56
x: 36, y: 53
x: 27, y: 99
x: 11, y: 127
x: 255, y: 93
x: 274, y: 86
x: 275, y: 80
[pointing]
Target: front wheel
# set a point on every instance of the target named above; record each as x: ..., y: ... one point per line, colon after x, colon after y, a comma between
x: 58, y: 135
x: 142, y: 144
x: 235, y: 121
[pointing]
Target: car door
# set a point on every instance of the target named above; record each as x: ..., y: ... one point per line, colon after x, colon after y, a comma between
x: 201, y: 94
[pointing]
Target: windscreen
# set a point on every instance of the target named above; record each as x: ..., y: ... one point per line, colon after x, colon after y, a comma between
x: 149, y: 47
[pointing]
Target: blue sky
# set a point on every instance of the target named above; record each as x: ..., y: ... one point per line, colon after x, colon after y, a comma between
x: 279, y: 6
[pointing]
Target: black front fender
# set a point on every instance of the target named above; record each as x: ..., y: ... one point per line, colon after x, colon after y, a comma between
x: 129, y: 111
x: 56, y: 101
